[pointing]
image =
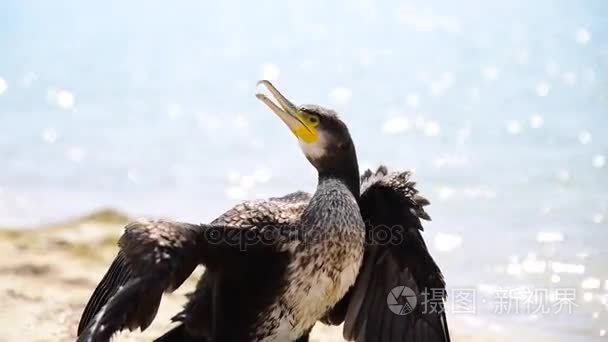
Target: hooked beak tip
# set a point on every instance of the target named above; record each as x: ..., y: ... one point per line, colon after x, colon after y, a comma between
x: 264, y: 82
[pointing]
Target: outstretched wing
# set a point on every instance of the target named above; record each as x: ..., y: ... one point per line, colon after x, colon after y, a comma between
x: 158, y: 256
x: 196, y: 320
x: 396, y: 256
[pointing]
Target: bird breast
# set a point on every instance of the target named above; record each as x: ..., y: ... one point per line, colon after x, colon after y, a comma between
x: 318, y: 276
x: 323, y: 264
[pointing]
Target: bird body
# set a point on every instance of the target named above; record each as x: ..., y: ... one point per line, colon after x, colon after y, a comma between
x: 276, y: 267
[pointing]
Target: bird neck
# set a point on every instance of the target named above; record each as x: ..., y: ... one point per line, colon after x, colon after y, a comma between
x: 349, y: 176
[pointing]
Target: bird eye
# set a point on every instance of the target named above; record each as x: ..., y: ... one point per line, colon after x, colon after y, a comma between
x: 313, y: 119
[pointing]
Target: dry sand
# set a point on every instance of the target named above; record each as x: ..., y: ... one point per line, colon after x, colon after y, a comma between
x: 48, y: 273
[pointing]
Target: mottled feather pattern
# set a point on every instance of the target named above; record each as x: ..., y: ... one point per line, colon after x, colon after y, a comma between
x: 276, y: 210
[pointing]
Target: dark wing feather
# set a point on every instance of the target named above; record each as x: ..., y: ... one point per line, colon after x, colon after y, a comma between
x: 158, y: 256
x: 390, y: 201
x: 117, y: 275
x: 154, y: 257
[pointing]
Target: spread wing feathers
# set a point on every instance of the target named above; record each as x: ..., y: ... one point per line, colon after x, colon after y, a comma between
x: 154, y: 256
x: 196, y: 319
x: 158, y: 256
x: 390, y: 204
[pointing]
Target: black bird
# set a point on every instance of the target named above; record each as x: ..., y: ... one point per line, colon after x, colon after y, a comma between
x: 275, y: 267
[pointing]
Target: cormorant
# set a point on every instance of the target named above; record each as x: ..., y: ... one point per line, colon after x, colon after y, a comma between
x: 275, y: 267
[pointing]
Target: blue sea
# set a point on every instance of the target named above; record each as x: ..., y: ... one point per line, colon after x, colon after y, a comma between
x: 500, y: 108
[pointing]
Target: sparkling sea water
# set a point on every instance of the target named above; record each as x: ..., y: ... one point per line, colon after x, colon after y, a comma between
x: 500, y: 107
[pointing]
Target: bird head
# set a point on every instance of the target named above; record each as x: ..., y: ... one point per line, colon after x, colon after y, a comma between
x: 323, y: 137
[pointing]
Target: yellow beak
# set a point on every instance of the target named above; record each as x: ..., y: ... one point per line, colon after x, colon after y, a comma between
x: 290, y: 114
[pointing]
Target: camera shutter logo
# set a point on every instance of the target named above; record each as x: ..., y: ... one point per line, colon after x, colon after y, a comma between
x: 406, y: 304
